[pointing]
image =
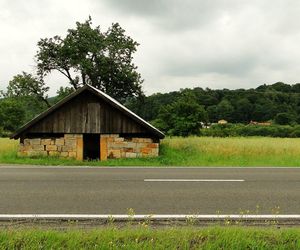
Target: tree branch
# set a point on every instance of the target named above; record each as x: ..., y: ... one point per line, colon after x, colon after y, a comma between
x: 68, y: 75
x: 46, y: 101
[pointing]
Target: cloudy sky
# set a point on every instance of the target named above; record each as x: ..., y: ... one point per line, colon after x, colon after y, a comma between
x: 206, y: 43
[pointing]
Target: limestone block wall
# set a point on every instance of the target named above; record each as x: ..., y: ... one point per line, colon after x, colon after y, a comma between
x: 69, y: 146
x: 114, y: 146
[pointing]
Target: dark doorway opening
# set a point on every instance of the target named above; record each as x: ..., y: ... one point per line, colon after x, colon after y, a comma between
x: 91, y: 146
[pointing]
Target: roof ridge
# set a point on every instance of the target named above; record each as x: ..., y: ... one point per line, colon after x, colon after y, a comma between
x: 77, y: 92
x: 125, y: 108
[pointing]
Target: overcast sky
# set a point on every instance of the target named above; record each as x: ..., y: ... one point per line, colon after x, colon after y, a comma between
x: 207, y: 43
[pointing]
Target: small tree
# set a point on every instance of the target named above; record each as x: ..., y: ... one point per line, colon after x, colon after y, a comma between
x: 183, y: 117
x: 26, y: 85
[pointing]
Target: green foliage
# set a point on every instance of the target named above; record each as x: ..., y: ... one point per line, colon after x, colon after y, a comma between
x: 62, y: 92
x: 229, y: 130
x: 12, y: 115
x: 285, y: 118
x: 25, y: 97
x: 183, y: 117
x: 4, y: 133
x: 26, y: 85
x: 89, y: 56
x: 225, y: 110
x: 243, y: 110
x: 30, y: 108
x: 236, y: 106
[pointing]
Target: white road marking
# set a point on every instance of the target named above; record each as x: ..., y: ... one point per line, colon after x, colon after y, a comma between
x: 144, y: 216
x: 192, y: 180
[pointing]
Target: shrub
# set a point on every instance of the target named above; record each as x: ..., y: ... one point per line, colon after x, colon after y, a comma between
x: 226, y: 130
x: 285, y: 118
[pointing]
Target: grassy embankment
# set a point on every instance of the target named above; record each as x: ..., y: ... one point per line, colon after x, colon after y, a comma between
x: 147, y: 238
x: 191, y: 151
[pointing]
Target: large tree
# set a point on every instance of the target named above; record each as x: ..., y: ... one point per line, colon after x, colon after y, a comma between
x: 89, y: 56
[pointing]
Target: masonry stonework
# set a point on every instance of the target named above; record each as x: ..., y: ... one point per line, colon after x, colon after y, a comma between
x: 114, y: 146
x: 69, y: 146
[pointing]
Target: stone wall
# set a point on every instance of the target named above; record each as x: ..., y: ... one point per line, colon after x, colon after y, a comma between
x: 69, y: 146
x: 114, y: 146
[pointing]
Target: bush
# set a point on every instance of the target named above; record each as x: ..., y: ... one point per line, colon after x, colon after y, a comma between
x: 296, y: 131
x: 285, y: 118
x: 227, y: 130
x: 4, y: 133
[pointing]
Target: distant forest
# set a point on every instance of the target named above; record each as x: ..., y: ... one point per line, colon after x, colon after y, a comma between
x: 178, y: 112
x: 184, y: 112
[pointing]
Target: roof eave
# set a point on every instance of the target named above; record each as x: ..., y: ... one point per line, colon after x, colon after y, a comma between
x: 27, y: 125
x: 99, y: 93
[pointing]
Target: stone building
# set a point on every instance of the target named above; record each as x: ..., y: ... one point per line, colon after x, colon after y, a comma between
x: 89, y: 124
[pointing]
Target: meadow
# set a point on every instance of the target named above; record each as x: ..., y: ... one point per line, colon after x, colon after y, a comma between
x: 188, y: 151
x: 149, y: 238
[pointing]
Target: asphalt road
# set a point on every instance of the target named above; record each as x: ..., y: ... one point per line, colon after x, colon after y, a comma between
x: 67, y: 190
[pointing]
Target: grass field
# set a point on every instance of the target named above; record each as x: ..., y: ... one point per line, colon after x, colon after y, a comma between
x: 191, y: 151
x: 147, y: 238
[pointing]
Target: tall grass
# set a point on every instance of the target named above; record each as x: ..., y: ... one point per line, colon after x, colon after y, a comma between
x: 7, y: 145
x: 238, y: 151
x: 149, y: 238
x: 190, y: 151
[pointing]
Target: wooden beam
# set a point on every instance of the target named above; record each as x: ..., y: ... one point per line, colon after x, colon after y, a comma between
x: 103, y: 148
x: 79, y: 149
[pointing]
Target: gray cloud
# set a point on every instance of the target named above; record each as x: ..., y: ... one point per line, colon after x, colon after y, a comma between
x: 206, y: 43
x: 175, y: 15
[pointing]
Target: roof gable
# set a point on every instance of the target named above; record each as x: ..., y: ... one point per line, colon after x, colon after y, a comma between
x: 103, y: 97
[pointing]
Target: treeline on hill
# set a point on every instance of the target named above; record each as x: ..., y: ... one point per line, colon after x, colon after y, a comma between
x: 186, y: 111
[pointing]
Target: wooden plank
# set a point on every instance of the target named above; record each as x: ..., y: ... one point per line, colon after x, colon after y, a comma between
x: 102, y: 118
x: 67, y: 115
x: 87, y: 113
x: 73, y: 116
x: 78, y: 120
x: 98, y: 119
x: 91, y: 117
x: 55, y: 121
x: 61, y: 123
x: 103, y: 148
x: 79, y: 149
x: 107, y: 112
